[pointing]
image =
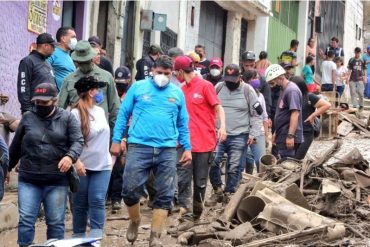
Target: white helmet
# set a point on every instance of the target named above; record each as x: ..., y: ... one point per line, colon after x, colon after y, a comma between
x: 273, y: 71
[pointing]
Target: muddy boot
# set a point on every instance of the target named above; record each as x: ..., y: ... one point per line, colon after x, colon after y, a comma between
x: 133, y: 227
x: 158, y: 223
x: 197, y: 210
x: 215, y: 198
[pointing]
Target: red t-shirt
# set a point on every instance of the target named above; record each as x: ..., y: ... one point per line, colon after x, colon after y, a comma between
x: 201, y: 100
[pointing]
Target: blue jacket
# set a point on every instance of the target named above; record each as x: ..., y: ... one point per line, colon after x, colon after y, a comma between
x: 158, y: 116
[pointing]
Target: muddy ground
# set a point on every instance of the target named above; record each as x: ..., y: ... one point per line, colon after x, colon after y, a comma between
x: 116, y: 228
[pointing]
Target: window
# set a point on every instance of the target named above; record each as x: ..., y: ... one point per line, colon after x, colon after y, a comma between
x: 168, y: 40
x: 243, y: 36
x: 146, y: 42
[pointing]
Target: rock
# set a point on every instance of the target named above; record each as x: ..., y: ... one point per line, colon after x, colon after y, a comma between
x: 8, y: 216
x: 213, y: 243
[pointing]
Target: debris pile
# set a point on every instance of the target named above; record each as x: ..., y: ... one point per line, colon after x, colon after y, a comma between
x: 323, y: 200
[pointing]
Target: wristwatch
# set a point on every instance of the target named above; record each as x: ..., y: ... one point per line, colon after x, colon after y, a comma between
x: 290, y: 136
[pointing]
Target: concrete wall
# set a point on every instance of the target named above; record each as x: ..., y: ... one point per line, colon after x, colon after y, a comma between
x: 353, y: 16
x: 366, y: 22
x: 15, y: 40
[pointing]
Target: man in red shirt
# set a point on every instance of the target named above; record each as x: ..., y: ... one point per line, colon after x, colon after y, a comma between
x: 203, y: 105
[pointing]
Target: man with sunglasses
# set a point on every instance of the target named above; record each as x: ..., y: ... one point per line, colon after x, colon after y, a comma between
x: 159, y: 121
x: 34, y: 70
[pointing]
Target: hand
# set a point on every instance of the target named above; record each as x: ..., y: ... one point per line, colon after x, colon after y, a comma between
x: 80, y: 168
x: 289, y: 143
x: 221, y: 134
x: 310, y: 119
x: 186, y: 158
x: 251, y: 141
x: 115, y: 149
x: 269, y: 123
x: 124, y: 147
x: 7, y: 178
x: 65, y: 164
x: 321, y: 52
x: 273, y: 139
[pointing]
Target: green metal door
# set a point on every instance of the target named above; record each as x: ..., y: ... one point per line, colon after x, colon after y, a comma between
x: 279, y: 38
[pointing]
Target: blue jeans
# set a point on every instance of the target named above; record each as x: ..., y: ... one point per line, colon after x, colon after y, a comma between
x: 30, y: 197
x: 254, y: 153
x: 284, y: 152
x: 89, y: 200
x: 140, y: 160
x: 235, y: 147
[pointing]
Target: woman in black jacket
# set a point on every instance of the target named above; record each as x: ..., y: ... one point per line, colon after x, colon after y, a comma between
x: 312, y: 106
x: 47, y: 142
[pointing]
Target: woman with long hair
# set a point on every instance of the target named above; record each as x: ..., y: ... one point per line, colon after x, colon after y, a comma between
x: 95, y: 163
x: 312, y: 107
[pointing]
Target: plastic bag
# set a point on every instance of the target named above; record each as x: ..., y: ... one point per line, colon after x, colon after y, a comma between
x: 346, y: 96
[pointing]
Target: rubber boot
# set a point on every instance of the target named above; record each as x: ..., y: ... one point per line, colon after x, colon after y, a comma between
x: 133, y: 227
x: 158, y: 224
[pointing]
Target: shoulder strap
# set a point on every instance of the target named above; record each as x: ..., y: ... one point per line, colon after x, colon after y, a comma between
x: 246, y: 89
x: 219, y: 87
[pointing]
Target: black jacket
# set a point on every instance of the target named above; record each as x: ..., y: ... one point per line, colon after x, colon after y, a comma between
x: 144, y: 67
x: 32, y: 71
x: 213, y: 80
x: 266, y: 91
x: 106, y: 64
x: 40, y: 143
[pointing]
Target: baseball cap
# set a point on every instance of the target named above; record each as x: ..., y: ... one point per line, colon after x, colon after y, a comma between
x: 86, y: 83
x: 248, y: 55
x: 183, y: 62
x: 122, y: 73
x: 154, y: 49
x: 216, y: 61
x: 232, y: 73
x: 94, y: 41
x: 45, y: 92
x: 46, y: 38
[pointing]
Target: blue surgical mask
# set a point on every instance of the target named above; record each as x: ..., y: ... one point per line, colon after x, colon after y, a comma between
x: 99, y: 97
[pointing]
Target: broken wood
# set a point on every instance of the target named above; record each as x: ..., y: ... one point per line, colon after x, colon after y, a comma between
x: 358, y: 193
x: 118, y: 218
x: 287, y: 236
x: 233, y: 204
x: 344, y: 128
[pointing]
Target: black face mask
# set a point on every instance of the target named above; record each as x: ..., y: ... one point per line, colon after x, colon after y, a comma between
x: 44, y: 111
x: 232, y: 85
x: 121, y: 88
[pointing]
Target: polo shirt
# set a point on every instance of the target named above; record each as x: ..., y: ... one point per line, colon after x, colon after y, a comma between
x: 201, y: 99
x: 62, y: 64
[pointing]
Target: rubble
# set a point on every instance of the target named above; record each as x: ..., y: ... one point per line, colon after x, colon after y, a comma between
x: 320, y: 201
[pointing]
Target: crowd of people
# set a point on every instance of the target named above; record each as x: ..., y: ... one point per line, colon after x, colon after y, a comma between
x: 95, y: 132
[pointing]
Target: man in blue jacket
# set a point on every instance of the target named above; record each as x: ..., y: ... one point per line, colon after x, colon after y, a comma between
x: 159, y: 121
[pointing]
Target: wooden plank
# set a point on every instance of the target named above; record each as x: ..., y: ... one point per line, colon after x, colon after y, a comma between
x: 344, y: 128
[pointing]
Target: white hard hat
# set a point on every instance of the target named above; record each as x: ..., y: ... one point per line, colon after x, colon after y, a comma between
x: 274, y: 71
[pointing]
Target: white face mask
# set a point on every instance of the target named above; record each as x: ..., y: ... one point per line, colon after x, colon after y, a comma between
x: 161, y: 80
x: 215, y: 72
x: 72, y: 43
